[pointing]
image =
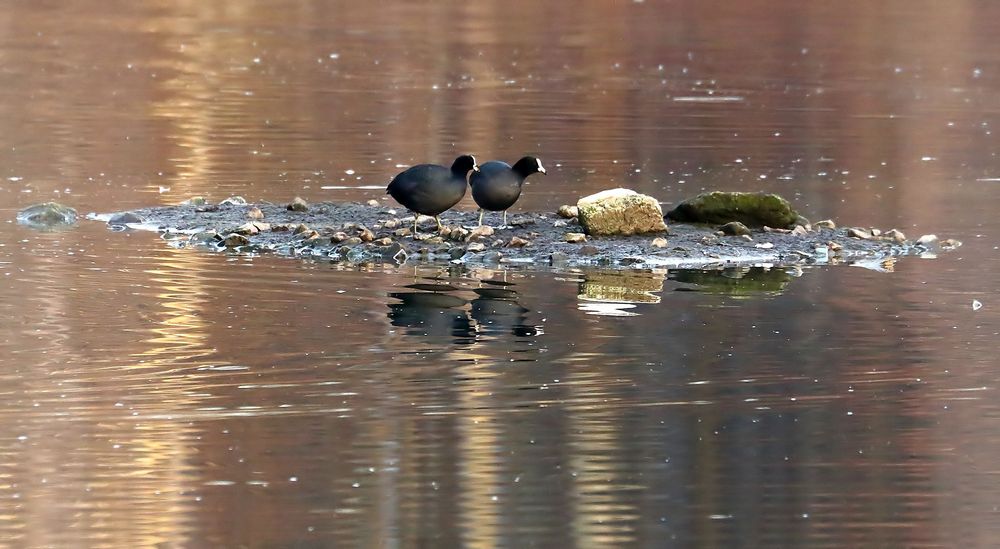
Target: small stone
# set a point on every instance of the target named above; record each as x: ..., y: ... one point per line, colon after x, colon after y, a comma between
x: 234, y: 201
x: 232, y: 240
x: 475, y: 247
x: 124, y: 218
x: 300, y: 228
x: 261, y: 226
x: 800, y: 230
x: 950, y: 243
x: 456, y: 252
x: 558, y: 258
x: 825, y: 224
x: 895, y: 235
x: 384, y: 241
x: 855, y: 232
x: 560, y: 223
x: 927, y: 240
x: 588, y: 249
x: 338, y: 237
x: 735, y: 228
x: 434, y: 240
x: 205, y: 238
x: 517, y: 242
x: 366, y: 235
x: 567, y: 211
x: 492, y: 256
x: 875, y: 232
x: 246, y: 229
x: 480, y: 233
x: 281, y: 227
x: 459, y: 234
x: 390, y: 223
x: 834, y: 247
x: 195, y: 201
x: 373, y: 203
x: 659, y: 242
x: 298, y: 205
x: 352, y: 241
x: 497, y: 243
x: 575, y: 238
x: 308, y: 235
x: 255, y: 213
x: 402, y: 231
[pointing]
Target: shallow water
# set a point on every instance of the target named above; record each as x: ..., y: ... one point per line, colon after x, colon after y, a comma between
x: 153, y: 395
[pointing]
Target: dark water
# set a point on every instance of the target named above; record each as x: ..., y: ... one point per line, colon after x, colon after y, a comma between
x: 154, y: 396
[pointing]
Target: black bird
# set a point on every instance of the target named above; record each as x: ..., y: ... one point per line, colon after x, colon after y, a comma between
x: 497, y: 185
x: 431, y: 189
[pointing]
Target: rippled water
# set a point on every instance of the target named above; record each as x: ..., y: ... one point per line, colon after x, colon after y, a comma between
x: 152, y: 396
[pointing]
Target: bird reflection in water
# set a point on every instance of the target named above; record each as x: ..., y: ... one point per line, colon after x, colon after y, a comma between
x: 439, y: 311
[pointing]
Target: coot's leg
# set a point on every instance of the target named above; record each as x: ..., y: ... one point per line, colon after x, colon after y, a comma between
x: 505, y: 218
x: 438, y: 219
x: 481, y: 212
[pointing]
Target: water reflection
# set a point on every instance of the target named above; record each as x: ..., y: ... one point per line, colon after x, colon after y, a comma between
x: 735, y: 281
x: 434, y: 310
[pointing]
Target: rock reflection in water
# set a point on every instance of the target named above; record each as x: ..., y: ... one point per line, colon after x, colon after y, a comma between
x: 736, y: 282
x: 617, y: 293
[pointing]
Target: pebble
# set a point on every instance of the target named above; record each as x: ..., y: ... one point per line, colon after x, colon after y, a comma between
x: 459, y: 234
x: 480, y: 232
x: 558, y: 258
x: 855, y: 232
x: 234, y: 201
x: 456, y: 252
x: 255, y: 213
x: 492, y: 256
x: 567, y: 211
x: 575, y: 237
x: 366, y: 235
x: 403, y: 231
x: 517, y: 242
x: 373, y: 203
x: 339, y: 237
x: 246, y: 229
x: 588, y: 249
x: 232, y: 240
x: 560, y: 223
x: 384, y: 241
x: 800, y: 230
x: 895, y: 235
x: 300, y: 228
x: 475, y: 247
x: 659, y: 242
x: 875, y: 232
x: 927, y: 240
x: 825, y: 224
x: 352, y: 241
x: 298, y: 205
x: 390, y: 223
x: 734, y: 228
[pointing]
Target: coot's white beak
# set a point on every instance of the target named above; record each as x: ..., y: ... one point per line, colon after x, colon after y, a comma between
x: 475, y: 167
x: 540, y: 168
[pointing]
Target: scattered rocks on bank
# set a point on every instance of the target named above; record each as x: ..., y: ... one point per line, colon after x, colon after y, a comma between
x: 363, y: 233
x: 620, y: 212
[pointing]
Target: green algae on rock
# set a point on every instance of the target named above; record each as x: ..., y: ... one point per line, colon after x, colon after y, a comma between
x: 751, y: 209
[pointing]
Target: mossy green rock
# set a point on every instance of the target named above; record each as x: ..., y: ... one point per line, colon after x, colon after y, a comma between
x: 50, y: 215
x: 751, y: 209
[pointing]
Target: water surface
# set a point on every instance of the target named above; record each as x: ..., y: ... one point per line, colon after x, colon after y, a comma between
x: 152, y: 395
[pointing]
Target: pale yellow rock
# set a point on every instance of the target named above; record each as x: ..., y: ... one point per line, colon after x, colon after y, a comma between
x: 575, y: 238
x: 659, y: 242
x: 620, y: 212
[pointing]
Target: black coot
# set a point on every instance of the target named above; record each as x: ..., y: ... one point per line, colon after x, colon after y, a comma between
x: 497, y: 185
x: 430, y: 189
